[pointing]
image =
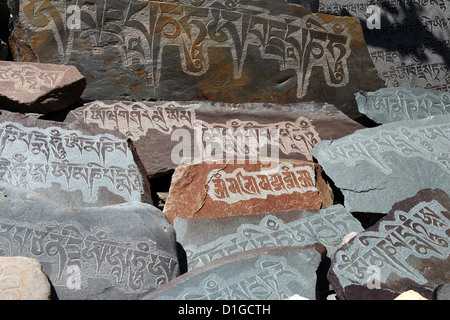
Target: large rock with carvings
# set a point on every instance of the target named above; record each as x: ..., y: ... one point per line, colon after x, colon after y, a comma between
x: 207, y: 239
x: 406, y: 250
x: 165, y: 133
x: 123, y: 251
x: 396, y: 104
x: 75, y: 164
x: 39, y: 87
x: 234, y: 51
x: 220, y: 188
x: 378, y: 167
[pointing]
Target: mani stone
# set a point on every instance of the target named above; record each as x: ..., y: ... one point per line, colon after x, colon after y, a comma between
x: 377, y: 167
x: 406, y: 250
x: 274, y: 273
x: 396, y: 104
x: 22, y: 279
x: 236, y: 51
x: 121, y: 252
x: 208, y: 239
x: 220, y: 188
x: 39, y: 88
x: 410, y: 46
x: 74, y: 164
x: 165, y: 132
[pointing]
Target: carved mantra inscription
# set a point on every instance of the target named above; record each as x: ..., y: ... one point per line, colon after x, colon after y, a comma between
x: 33, y: 158
x: 241, y: 185
x: 420, y: 233
x: 136, y: 119
x: 140, y: 30
x: 29, y: 78
x: 77, y: 256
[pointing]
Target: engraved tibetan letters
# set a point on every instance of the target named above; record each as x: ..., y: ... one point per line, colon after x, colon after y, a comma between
x: 39, y: 87
x: 76, y: 165
x: 208, y: 239
x: 203, y: 50
x: 205, y: 129
x: 378, y: 167
x: 104, y: 253
x: 224, y: 189
x: 406, y: 250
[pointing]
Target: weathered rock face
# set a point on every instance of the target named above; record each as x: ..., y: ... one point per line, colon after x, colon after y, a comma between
x: 377, y: 167
x: 116, y: 252
x: 237, y: 51
x: 214, y: 189
x: 38, y: 87
x: 281, y: 272
x: 208, y: 239
x: 164, y: 133
x: 76, y: 165
x: 406, y: 250
x: 397, y: 104
x: 22, y: 279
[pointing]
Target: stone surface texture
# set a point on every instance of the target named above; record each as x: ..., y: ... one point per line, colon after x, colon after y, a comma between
x: 22, y: 279
x: 217, y: 189
x: 235, y: 51
x: 378, y: 167
x: 275, y: 273
x: 39, y: 87
x: 407, y: 250
x: 116, y: 252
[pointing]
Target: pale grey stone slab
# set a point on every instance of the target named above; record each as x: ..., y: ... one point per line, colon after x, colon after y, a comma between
x: 123, y: 251
x: 377, y: 167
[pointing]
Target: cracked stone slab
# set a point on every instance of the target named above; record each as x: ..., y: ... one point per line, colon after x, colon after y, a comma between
x: 160, y: 129
x: 234, y: 51
x: 406, y: 250
x: 207, y: 239
x: 216, y: 188
x: 275, y: 273
x: 75, y: 164
x: 119, y: 252
x: 377, y: 167
x: 29, y: 87
x: 22, y: 278
x: 397, y: 104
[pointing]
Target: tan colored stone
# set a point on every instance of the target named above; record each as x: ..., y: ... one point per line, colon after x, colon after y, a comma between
x: 410, y: 295
x: 22, y: 279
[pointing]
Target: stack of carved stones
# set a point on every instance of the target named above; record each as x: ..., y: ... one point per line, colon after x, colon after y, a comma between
x: 253, y: 150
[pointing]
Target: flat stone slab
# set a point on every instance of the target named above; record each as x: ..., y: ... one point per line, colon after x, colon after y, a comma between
x: 165, y: 132
x: 397, y: 104
x: 39, y: 87
x: 237, y: 51
x: 22, y: 279
x: 74, y: 164
x: 116, y: 252
x: 378, y: 167
x: 409, y: 46
x: 208, y: 239
x: 406, y: 250
x: 275, y: 273
x: 213, y: 189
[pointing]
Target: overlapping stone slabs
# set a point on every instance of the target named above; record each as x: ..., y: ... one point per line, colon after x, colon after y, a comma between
x: 115, y: 252
x: 166, y: 132
x: 216, y: 188
x: 397, y: 104
x: 407, y: 250
x: 208, y: 239
x: 74, y: 164
x: 396, y: 160
x: 173, y: 51
x: 275, y: 273
x: 407, y: 40
x: 39, y: 87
